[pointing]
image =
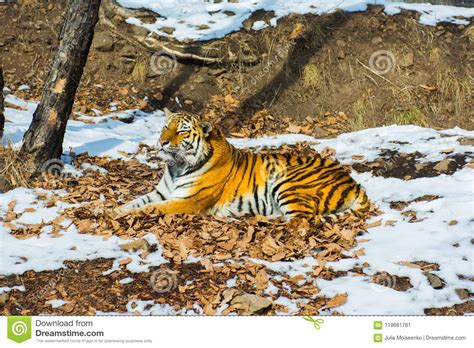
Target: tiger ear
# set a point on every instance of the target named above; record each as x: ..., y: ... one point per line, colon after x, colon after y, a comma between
x: 168, y: 113
x: 206, y: 128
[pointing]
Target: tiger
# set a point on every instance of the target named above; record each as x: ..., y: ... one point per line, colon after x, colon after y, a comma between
x: 205, y: 174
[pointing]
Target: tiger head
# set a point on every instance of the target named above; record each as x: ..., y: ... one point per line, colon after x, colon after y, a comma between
x: 184, y: 139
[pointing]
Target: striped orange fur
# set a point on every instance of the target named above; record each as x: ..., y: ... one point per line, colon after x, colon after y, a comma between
x: 206, y: 174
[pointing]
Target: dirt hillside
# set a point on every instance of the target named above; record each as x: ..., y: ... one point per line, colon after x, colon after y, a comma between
x: 319, y: 75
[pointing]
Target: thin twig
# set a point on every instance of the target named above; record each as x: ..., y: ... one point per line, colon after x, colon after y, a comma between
x: 371, y: 79
x: 377, y: 74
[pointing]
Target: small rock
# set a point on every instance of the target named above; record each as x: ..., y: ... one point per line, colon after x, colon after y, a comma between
x: 463, y: 294
x: 147, y: 18
x: 254, y: 303
x: 129, y: 52
x: 341, y: 54
x: 168, y: 30
x: 377, y: 40
x: 466, y: 141
x: 443, y: 165
x: 419, y: 166
x: 452, y: 223
x: 3, y: 298
x: 203, y: 27
x: 341, y: 43
x: 407, y: 60
x: 188, y: 102
x: 140, y: 31
x: 247, y: 24
x: 229, y: 13
x: 435, y: 281
x: 117, y: 19
x: 104, y: 42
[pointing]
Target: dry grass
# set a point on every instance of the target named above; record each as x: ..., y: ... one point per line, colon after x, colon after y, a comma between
x: 469, y: 33
x: 360, y: 110
x: 14, y: 169
x: 455, y: 92
x: 29, y: 3
x: 140, y: 70
x: 312, y: 77
x: 412, y: 116
x: 435, y: 54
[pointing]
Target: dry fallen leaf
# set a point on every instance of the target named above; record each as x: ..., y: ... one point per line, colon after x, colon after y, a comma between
x: 337, y: 300
x: 297, y: 30
x: 375, y: 224
x: 293, y: 128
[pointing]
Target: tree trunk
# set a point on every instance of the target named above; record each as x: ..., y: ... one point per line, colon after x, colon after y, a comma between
x: 43, y: 140
x: 2, y: 117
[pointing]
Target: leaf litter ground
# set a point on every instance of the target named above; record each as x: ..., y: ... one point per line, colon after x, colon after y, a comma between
x: 225, y: 250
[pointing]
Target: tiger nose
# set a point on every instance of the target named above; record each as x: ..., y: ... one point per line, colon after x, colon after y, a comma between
x: 164, y: 142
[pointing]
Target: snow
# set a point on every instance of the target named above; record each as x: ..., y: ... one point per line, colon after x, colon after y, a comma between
x: 24, y: 88
x: 4, y: 289
x: 289, y: 304
x: 201, y: 20
x: 45, y: 252
x: 57, y: 303
x: 127, y: 280
x: 150, y: 308
x: 105, y: 137
x: 432, y: 239
x: 369, y: 142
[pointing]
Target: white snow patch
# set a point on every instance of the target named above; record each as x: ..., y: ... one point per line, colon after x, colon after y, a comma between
x: 24, y: 88
x: 231, y: 282
x: 57, y: 303
x: 105, y: 137
x: 4, y: 289
x: 201, y: 20
x: 127, y: 280
x: 151, y: 308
